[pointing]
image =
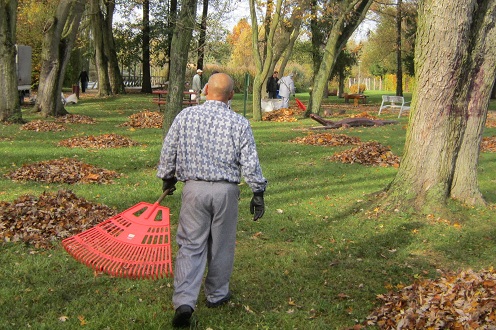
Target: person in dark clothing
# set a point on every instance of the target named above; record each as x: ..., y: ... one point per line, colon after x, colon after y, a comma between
x: 84, y: 78
x: 272, y: 85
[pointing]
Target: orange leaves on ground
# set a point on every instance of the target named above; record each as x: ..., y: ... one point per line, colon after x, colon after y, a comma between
x: 327, y: 139
x: 65, y: 170
x: 42, y: 126
x: 98, y: 142
x: 491, y: 119
x: 75, y: 119
x: 455, y: 301
x: 51, y: 216
x: 145, y: 119
x: 488, y: 144
x: 282, y: 115
x: 368, y: 153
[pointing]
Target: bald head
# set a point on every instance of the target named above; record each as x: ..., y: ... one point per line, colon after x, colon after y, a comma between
x: 220, y: 87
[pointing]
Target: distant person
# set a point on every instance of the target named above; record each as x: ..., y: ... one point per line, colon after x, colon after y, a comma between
x: 196, y: 84
x: 272, y: 85
x: 286, y: 88
x: 210, y: 148
x: 84, y: 78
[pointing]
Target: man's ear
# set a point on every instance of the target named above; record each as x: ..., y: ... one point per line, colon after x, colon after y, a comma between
x: 231, y: 95
x: 206, y: 89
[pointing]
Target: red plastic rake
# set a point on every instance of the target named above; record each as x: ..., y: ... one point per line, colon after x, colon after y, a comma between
x: 133, y: 244
x: 300, y: 104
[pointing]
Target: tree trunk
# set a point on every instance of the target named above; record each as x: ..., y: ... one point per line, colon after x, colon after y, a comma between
x: 203, y: 36
x: 179, y: 58
x: 171, y: 24
x: 449, y: 105
x: 399, y: 67
x: 115, y: 76
x: 59, y: 36
x: 350, y: 15
x: 101, y: 60
x: 262, y: 62
x: 146, y: 86
x: 10, y: 109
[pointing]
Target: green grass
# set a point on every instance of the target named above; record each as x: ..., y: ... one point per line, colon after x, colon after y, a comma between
x: 316, y: 260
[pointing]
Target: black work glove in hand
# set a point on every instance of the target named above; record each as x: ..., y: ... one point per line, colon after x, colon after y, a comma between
x: 257, y: 205
x: 169, y: 184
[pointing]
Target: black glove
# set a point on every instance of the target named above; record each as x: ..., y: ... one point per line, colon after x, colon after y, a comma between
x: 169, y: 184
x: 257, y: 205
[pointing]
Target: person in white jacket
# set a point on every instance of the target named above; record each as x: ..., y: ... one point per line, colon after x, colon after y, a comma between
x: 286, y: 88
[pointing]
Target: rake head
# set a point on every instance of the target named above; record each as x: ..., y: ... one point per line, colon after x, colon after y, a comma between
x: 133, y: 244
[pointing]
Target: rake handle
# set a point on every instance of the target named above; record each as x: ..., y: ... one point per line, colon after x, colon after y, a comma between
x: 161, y: 198
x: 152, y: 208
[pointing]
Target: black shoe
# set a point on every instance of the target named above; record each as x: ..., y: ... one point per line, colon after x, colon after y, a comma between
x: 221, y: 302
x: 182, y: 317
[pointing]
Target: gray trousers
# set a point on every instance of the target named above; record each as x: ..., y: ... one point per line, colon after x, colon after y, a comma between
x: 206, y: 236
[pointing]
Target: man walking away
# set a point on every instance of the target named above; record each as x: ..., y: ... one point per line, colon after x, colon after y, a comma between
x: 209, y: 147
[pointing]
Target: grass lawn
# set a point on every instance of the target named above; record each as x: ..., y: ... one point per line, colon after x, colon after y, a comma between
x: 317, y: 259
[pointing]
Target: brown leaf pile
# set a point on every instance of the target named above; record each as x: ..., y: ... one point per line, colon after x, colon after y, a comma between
x: 327, y: 139
x: 488, y: 144
x: 98, y: 142
x: 42, y: 126
x: 282, y: 115
x: 145, y: 119
x: 455, y: 301
x: 49, y: 217
x: 75, y: 119
x: 65, y: 170
x: 368, y: 153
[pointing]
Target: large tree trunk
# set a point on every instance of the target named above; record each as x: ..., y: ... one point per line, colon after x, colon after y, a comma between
x: 115, y: 76
x: 59, y: 36
x: 351, y: 14
x: 449, y: 105
x: 146, y: 86
x: 101, y: 60
x: 9, y: 100
x: 179, y: 58
x: 203, y: 36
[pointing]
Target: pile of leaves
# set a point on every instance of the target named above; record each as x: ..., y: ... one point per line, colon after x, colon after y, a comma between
x: 98, y: 142
x: 327, y: 139
x: 51, y: 216
x: 488, y: 144
x: 282, y: 115
x: 64, y: 170
x: 42, y: 126
x: 145, y: 119
x: 455, y: 301
x: 75, y: 119
x: 368, y: 153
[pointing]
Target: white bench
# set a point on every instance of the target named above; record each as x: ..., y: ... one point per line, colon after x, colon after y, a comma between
x: 389, y: 101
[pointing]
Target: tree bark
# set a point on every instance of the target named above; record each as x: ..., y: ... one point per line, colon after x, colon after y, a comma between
x: 10, y: 109
x: 114, y: 72
x: 59, y: 36
x: 101, y: 59
x: 351, y: 14
x: 449, y: 105
x: 203, y: 36
x: 179, y: 57
x: 146, y: 86
x: 399, y: 64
